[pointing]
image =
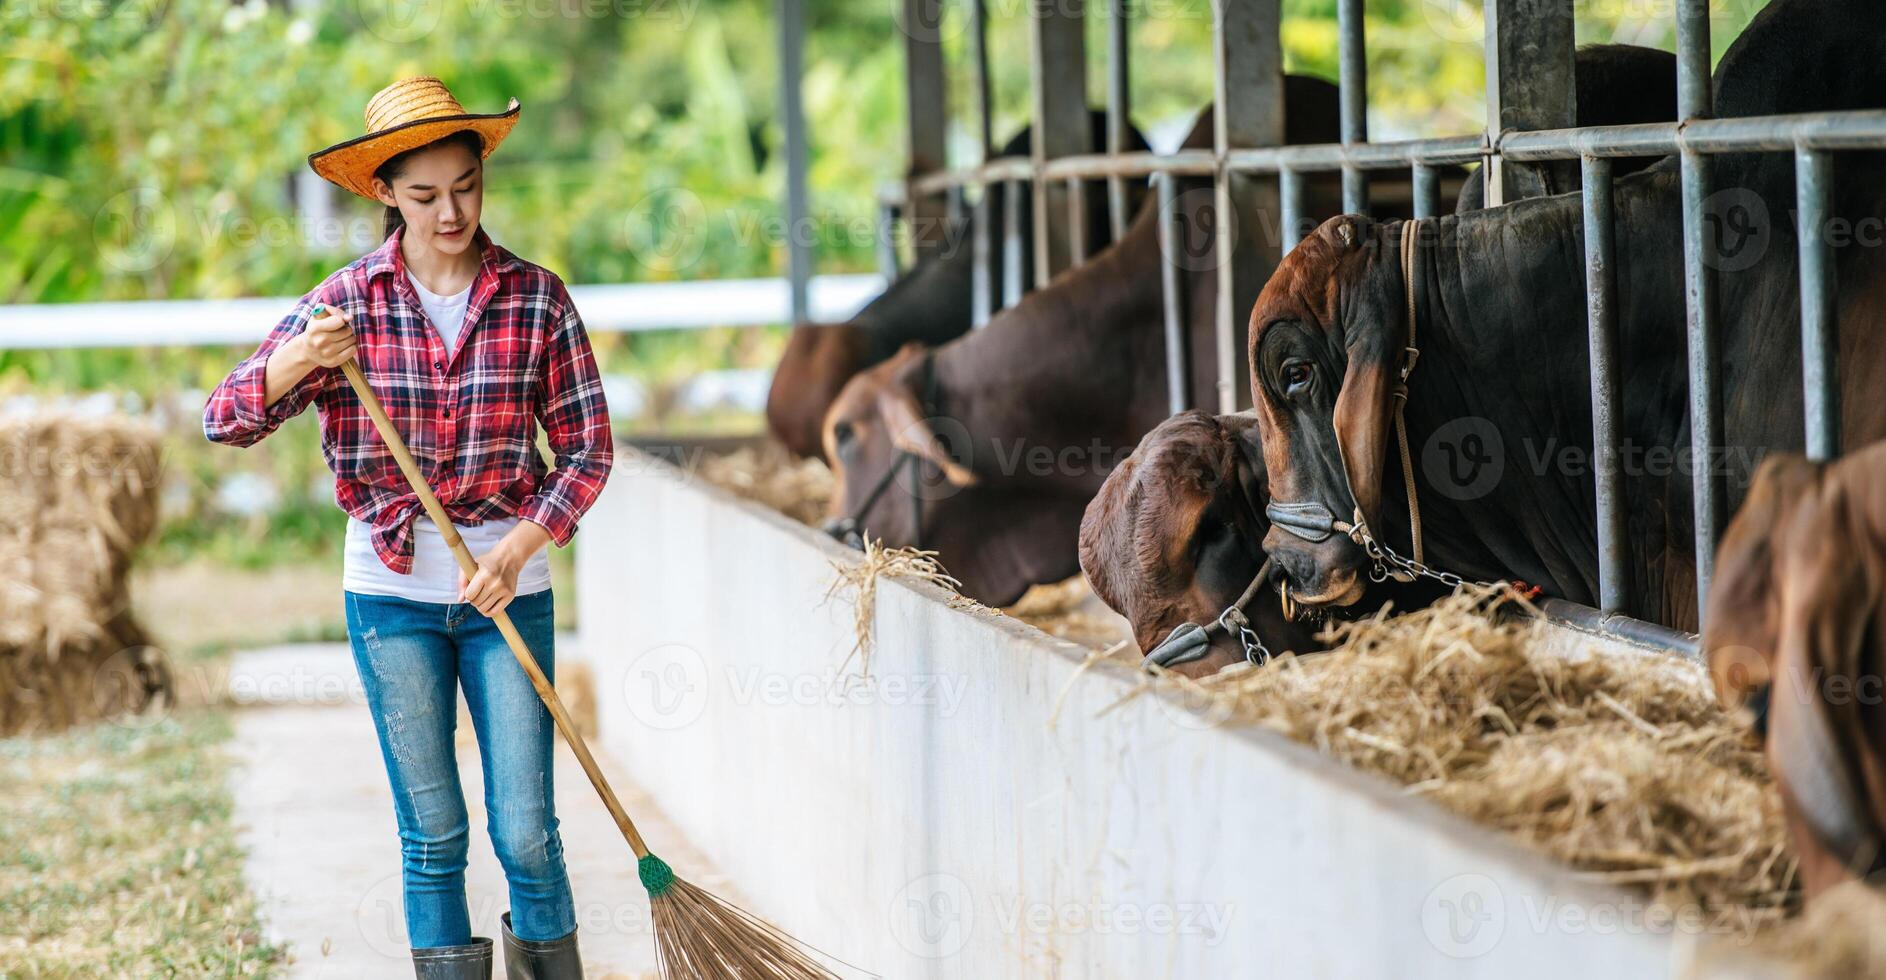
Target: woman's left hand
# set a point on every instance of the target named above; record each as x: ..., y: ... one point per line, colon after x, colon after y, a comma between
x: 495, y: 585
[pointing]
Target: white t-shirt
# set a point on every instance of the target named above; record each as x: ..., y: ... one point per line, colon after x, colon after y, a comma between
x: 447, y: 313
x: 434, y: 576
x: 435, y: 572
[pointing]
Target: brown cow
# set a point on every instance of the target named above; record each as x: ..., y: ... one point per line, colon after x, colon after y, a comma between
x: 1028, y: 414
x: 1173, y: 538
x: 1796, y: 638
x: 1497, y: 408
x: 932, y: 303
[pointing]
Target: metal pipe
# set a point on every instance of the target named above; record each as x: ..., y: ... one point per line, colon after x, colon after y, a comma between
x: 1178, y: 360
x: 1012, y: 246
x: 1847, y: 130
x: 1353, y: 82
x: 982, y: 275
x: 1820, y: 335
x: 1058, y: 43
x: 1290, y: 190
x: 1699, y: 287
x: 1076, y: 221
x: 887, y: 241
x: 926, y: 120
x: 979, y: 75
x: 1119, y: 105
x: 1427, y: 191
x: 1606, y: 405
x: 1582, y: 617
x: 791, y: 29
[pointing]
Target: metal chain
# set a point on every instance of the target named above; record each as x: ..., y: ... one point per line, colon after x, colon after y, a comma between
x: 1385, y: 558
x: 1235, y: 623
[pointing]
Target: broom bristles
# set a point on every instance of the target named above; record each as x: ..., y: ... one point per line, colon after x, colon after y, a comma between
x: 700, y: 937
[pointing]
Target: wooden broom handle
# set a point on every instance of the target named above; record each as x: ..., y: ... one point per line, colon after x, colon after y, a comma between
x: 470, y: 566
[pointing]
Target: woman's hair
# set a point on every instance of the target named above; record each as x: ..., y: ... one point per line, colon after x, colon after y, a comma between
x: 396, y: 165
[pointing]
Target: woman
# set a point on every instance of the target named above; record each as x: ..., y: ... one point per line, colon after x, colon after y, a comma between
x: 468, y: 346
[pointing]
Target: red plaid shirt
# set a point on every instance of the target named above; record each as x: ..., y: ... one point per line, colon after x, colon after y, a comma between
x: 468, y: 415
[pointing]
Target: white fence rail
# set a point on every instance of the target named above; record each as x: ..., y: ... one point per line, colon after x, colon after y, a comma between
x: 624, y: 307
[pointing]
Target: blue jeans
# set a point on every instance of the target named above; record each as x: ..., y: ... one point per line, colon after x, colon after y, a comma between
x: 412, y: 657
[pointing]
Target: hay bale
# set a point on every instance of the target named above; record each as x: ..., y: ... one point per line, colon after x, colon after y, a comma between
x: 78, y: 494
x: 1070, y: 610
x: 1622, y: 766
x: 769, y: 475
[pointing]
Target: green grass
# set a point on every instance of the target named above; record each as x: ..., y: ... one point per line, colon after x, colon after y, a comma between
x: 117, y: 856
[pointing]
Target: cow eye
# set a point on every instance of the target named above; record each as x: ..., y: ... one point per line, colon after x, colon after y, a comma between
x: 843, y: 435
x: 1297, y: 376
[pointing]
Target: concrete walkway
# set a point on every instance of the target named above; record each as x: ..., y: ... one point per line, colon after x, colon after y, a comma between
x: 316, y: 817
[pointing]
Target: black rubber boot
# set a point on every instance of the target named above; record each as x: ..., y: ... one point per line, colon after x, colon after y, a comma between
x: 470, y: 962
x: 528, y: 960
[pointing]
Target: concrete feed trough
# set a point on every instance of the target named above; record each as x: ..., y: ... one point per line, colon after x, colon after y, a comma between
x: 970, y: 811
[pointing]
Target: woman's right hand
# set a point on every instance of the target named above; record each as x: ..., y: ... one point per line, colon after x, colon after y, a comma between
x: 329, y: 340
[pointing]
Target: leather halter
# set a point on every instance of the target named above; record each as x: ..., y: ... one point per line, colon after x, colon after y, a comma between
x: 848, y: 529
x: 1311, y: 520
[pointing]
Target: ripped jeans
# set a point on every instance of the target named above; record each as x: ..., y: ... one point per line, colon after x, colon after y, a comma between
x: 412, y: 657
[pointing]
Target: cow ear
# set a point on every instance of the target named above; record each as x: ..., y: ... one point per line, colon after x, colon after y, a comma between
x: 1743, y: 621
x: 910, y: 431
x: 1345, y: 231
x: 1363, y: 416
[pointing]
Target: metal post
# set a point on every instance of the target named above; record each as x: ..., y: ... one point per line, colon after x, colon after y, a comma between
x: 1427, y: 191
x: 792, y: 119
x: 1353, y: 79
x: 1076, y: 221
x: 1699, y: 287
x: 982, y: 277
x: 1601, y: 328
x: 926, y: 118
x: 887, y: 242
x: 1248, y: 85
x: 1820, y: 335
x: 1060, y: 117
x: 1011, y: 243
x: 1530, y: 85
x: 1119, y: 102
x: 1290, y: 189
x: 1178, y: 361
x: 979, y: 74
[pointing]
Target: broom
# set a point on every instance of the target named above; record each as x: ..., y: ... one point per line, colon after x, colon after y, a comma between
x: 696, y: 934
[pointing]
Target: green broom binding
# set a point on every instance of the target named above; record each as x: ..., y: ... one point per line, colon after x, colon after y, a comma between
x: 697, y: 936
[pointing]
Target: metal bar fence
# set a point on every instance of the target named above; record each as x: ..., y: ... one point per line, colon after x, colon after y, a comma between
x: 1695, y: 139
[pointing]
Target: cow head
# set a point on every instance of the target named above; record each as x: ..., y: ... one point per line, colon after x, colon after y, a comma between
x: 1795, y: 610
x: 1326, y: 338
x: 1173, y: 536
x: 819, y: 359
x: 995, y: 537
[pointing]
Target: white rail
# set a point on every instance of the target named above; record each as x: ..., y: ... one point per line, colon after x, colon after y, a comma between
x: 624, y: 307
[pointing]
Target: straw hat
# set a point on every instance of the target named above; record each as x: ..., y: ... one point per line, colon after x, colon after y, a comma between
x: 402, y: 116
